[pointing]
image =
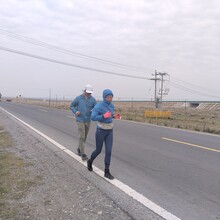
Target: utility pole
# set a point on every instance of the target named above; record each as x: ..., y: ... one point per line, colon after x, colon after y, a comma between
x: 161, y: 92
x: 49, y: 97
x: 161, y: 88
x: 155, y: 88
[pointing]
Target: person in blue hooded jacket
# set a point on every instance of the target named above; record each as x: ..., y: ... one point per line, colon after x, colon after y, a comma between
x: 82, y: 107
x: 103, y: 112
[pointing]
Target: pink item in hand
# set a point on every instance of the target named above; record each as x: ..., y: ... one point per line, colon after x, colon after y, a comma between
x: 108, y: 114
x: 117, y: 116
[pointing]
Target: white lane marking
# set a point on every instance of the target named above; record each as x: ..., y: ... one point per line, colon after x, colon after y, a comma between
x: 68, y: 116
x: 125, y: 188
x: 191, y: 144
x: 43, y: 110
x: 178, y: 129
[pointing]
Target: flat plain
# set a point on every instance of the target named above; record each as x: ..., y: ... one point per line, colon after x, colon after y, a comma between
x: 197, y: 116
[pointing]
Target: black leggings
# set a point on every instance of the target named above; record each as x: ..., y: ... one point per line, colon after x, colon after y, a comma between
x: 101, y: 137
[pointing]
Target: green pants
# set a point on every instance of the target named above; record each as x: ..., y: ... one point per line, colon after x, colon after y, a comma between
x: 83, y: 130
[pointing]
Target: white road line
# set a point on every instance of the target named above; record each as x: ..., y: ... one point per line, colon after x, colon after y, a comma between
x: 178, y: 129
x: 70, y: 116
x: 125, y: 188
x: 43, y: 110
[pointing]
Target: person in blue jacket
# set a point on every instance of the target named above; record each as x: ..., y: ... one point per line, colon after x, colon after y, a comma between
x: 103, y: 112
x: 82, y: 107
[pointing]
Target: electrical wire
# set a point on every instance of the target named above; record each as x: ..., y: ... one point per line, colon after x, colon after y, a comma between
x: 59, y: 49
x: 67, y: 64
x: 191, y: 90
x: 187, y: 83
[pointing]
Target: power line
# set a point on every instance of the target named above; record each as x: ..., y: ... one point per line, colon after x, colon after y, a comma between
x: 59, y: 49
x: 191, y: 90
x: 55, y: 48
x: 102, y: 71
x: 188, y: 83
x: 67, y: 64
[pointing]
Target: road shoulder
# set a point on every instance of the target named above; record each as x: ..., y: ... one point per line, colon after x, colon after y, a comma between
x: 61, y: 192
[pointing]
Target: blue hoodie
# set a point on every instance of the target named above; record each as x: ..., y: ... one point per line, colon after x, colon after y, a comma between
x: 85, y: 106
x: 102, y: 107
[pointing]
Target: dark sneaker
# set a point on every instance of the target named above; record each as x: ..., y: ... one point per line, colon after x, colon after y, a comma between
x: 84, y: 157
x: 79, y: 152
x: 109, y: 176
x: 89, y: 165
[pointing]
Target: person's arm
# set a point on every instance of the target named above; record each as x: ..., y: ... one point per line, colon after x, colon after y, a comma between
x: 96, y: 114
x: 73, y: 105
x: 94, y: 104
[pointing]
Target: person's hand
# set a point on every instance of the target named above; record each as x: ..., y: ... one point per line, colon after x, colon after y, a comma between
x: 78, y: 113
x: 117, y: 116
x: 108, y: 114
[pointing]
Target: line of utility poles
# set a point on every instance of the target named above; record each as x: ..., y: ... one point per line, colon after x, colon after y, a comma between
x: 159, y: 77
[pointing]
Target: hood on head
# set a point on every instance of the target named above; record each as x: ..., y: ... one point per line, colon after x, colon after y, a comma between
x: 106, y: 92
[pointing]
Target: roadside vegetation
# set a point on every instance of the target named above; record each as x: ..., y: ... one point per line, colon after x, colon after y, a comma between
x: 182, y: 115
x: 183, y: 118
x: 15, y: 180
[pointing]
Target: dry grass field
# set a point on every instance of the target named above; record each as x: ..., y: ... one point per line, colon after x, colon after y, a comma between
x: 205, y: 117
x: 182, y: 116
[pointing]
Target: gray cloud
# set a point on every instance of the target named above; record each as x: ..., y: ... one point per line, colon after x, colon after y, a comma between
x: 180, y: 37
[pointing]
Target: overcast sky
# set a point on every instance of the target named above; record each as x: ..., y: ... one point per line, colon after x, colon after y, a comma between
x: 115, y: 39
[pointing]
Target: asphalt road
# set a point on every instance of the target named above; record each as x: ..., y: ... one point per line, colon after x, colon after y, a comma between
x: 178, y: 170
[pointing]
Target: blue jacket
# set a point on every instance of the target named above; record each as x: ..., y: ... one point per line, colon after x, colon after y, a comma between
x: 85, y: 106
x: 102, y: 107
